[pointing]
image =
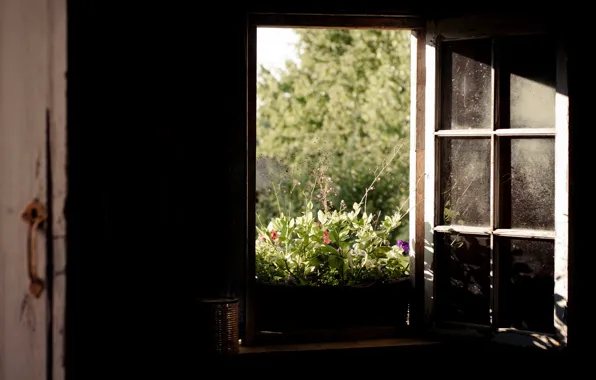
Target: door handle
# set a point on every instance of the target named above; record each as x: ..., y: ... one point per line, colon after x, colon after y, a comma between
x: 35, y: 215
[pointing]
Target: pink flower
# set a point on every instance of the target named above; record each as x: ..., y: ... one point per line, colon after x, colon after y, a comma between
x: 326, y: 237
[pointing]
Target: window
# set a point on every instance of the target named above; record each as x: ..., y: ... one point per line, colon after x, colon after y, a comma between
x: 492, y: 142
x: 281, y: 304
x: 488, y: 174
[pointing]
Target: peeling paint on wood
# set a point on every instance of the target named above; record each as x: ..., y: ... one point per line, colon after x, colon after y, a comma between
x: 28, y: 312
x: 23, y: 85
x: 32, y: 55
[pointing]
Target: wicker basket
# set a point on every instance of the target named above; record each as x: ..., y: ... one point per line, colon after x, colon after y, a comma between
x: 219, y: 325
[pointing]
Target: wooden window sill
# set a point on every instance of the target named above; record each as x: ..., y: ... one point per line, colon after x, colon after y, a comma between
x: 380, y: 350
x: 356, y: 344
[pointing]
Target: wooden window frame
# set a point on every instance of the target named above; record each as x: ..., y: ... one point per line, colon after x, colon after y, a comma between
x: 263, y: 20
x: 425, y: 133
x: 425, y: 107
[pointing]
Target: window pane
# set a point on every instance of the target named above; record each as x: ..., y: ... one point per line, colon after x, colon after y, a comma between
x: 466, y: 85
x: 465, y: 181
x: 463, y: 278
x: 526, y: 284
x: 530, y: 65
x: 527, y: 193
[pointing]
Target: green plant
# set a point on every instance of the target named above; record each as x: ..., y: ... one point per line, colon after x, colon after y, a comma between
x: 337, y: 247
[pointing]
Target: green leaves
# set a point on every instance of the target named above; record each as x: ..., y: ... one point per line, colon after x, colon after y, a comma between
x: 336, y: 262
x: 337, y: 248
x: 381, y: 252
x: 334, y: 235
x: 322, y: 217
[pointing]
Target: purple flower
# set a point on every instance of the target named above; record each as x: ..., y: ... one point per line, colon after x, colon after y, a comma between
x: 403, y: 245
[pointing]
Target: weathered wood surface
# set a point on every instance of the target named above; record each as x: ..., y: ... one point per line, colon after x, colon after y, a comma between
x: 32, y: 119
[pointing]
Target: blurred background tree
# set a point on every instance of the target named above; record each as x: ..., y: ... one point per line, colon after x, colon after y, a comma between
x: 337, y: 114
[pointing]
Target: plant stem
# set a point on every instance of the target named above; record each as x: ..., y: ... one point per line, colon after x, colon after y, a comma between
x: 259, y: 219
x: 381, y: 172
x: 408, y: 200
x: 277, y: 198
x: 290, y: 199
x: 314, y: 186
x: 288, y: 269
x: 377, y: 220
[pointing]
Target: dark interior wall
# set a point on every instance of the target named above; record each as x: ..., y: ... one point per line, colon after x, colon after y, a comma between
x: 156, y: 204
x: 156, y: 118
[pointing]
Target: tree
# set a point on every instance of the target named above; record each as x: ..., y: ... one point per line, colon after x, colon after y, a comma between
x: 342, y: 109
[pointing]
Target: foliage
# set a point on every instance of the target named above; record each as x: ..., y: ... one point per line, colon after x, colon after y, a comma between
x: 336, y: 248
x: 341, y: 109
x: 339, y: 247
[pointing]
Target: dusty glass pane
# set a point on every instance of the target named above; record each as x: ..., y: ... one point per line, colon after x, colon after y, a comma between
x: 463, y: 278
x: 532, y: 79
x: 526, y: 284
x: 465, y: 181
x: 527, y: 183
x: 466, y: 85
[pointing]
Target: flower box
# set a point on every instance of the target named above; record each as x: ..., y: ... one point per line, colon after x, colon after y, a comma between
x: 290, y: 307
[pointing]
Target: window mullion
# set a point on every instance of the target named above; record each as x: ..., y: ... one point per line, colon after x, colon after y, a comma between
x: 464, y: 133
x: 493, y: 188
x: 521, y: 132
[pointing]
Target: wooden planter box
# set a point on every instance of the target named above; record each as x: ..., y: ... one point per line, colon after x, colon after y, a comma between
x: 289, y: 308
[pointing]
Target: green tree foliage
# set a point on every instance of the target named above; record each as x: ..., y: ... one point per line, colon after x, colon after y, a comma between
x: 340, y: 112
